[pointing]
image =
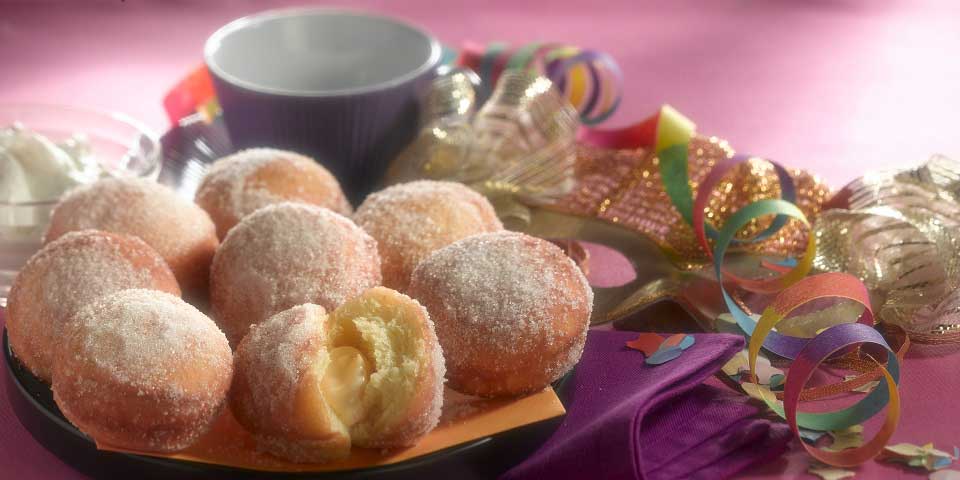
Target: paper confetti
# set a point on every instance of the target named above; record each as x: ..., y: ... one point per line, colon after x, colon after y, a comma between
x: 811, y: 436
x: 765, y: 371
x: 851, y: 437
x: 942, y: 462
x: 757, y: 391
x: 945, y: 475
x: 658, y: 350
x: 738, y: 365
x: 865, y: 388
x: 917, y: 456
x: 648, y: 343
x: 664, y: 355
x: 829, y: 473
x: 681, y: 340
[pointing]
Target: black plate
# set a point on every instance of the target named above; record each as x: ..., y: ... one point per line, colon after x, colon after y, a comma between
x: 33, y: 404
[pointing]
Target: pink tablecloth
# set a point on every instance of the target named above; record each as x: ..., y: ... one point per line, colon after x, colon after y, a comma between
x: 836, y: 87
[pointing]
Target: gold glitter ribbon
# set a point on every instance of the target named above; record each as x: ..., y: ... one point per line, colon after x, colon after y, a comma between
x: 900, y: 233
x: 624, y: 187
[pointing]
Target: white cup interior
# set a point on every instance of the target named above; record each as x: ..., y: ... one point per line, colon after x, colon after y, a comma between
x: 319, y: 52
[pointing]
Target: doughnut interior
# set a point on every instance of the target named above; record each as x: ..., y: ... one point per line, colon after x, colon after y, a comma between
x: 386, y: 356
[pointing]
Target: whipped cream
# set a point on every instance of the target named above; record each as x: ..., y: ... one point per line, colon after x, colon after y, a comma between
x: 35, y: 169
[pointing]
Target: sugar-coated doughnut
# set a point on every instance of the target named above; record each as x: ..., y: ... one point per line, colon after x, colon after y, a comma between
x: 176, y: 228
x: 142, y: 370
x: 67, y: 274
x: 239, y: 184
x: 511, y: 311
x: 285, y: 255
x: 411, y: 220
x: 308, y: 384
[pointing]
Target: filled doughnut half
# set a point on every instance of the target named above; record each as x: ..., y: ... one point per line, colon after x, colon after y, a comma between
x: 142, y: 370
x: 308, y: 385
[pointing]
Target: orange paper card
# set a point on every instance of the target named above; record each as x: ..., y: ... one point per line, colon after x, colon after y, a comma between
x: 464, y: 418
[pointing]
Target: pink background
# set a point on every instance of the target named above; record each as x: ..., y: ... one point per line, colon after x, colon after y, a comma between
x: 837, y: 87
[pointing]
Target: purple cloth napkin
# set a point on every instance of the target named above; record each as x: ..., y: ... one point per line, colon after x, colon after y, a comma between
x: 630, y: 420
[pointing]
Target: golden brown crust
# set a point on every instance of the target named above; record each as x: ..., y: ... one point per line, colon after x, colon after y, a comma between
x: 537, y: 372
x: 285, y: 255
x: 130, y: 418
x: 511, y: 312
x: 241, y: 183
x: 180, y: 231
x: 142, y: 370
x: 274, y: 393
x: 67, y: 274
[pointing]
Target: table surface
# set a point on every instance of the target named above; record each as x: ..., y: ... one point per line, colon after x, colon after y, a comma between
x: 836, y: 87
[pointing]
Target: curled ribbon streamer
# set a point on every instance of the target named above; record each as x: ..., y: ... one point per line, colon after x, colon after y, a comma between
x: 671, y: 135
x: 782, y: 345
x: 837, y: 285
x: 590, y: 80
x: 817, y: 350
x: 787, y: 192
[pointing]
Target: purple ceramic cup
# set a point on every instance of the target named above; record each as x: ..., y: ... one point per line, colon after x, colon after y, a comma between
x: 340, y: 86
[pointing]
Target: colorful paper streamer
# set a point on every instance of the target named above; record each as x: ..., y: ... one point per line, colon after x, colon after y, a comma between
x: 669, y: 132
x: 590, y: 80
x: 192, y: 95
x: 815, y: 352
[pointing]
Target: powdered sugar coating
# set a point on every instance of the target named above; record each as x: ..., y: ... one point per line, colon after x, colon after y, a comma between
x: 285, y: 255
x: 240, y: 184
x: 270, y: 362
x: 511, y: 311
x: 274, y: 364
x: 65, y: 275
x: 180, y: 231
x: 412, y: 220
x: 142, y: 369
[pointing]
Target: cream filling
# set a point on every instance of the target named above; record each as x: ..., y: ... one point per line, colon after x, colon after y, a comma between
x: 344, y: 382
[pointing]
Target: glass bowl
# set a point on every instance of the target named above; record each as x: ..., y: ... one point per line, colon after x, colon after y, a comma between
x: 122, y: 146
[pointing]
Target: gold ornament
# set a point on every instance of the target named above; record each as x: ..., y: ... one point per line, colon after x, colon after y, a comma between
x: 900, y: 233
x: 518, y: 148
